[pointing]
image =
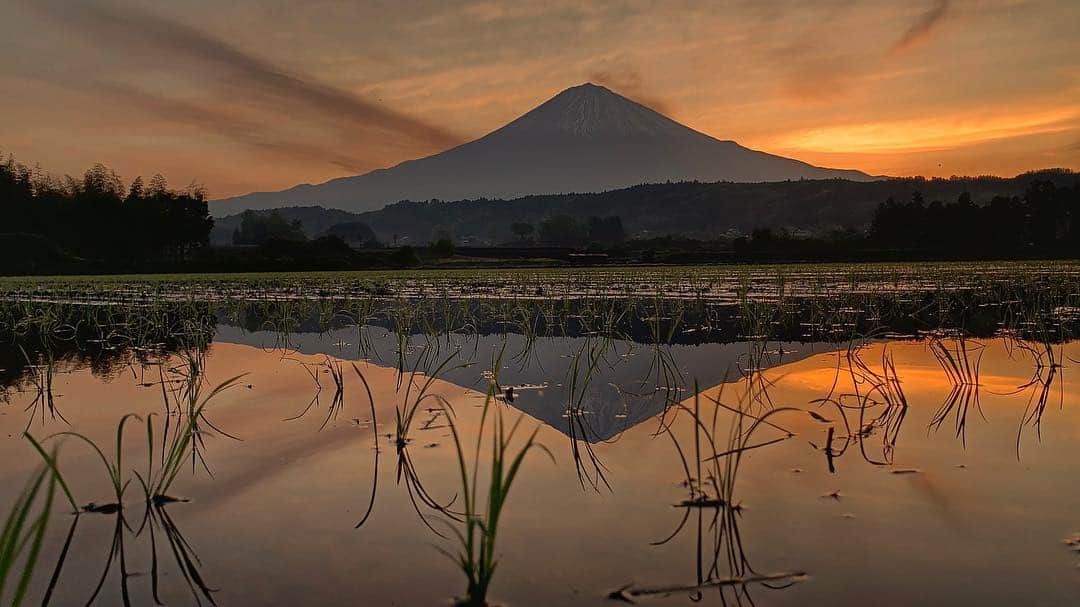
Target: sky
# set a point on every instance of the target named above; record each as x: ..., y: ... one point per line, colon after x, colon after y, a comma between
x: 261, y: 95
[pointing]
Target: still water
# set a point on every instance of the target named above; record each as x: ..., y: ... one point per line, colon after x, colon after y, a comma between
x: 887, y: 471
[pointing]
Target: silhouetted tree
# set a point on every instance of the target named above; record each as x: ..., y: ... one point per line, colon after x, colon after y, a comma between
x: 444, y: 247
x: 560, y: 230
x: 522, y: 229
x: 358, y: 232
x: 98, y: 218
x: 1042, y: 222
x: 257, y: 228
x: 606, y: 230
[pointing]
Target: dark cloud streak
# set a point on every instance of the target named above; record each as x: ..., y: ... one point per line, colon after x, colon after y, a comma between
x: 627, y: 80
x: 226, y: 125
x: 138, y: 33
x: 919, y: 31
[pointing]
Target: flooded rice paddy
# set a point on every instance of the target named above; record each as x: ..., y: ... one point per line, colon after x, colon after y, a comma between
x: 881, y: 434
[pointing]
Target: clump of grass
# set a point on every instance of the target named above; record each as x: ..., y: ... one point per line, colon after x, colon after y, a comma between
x: 42, y: 375
x: 404, y: 415
x: 711, y: 468
x: 960, y: 361
x: 24, y: 529
x: 479, y: 524
x: 114, y: 468
x: 178, y: 443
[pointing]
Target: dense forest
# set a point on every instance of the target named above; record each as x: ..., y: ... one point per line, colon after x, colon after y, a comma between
x: 97, y: 217
x: 1044, y: 222
x: 1045, y: 219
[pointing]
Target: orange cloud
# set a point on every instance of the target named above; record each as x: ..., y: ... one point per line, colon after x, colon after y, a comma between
x: 934, y: 133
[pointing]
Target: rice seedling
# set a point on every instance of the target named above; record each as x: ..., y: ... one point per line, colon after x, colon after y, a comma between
x: 59, y: 568
x: 375, y: 435
x: 962, y: 399
x: 178, y: 443
x: 960, y: 359
x: 44, y: 402
x: 184, y: 556
x: 752, y: 365
x: 1047, y: 369
x: 476, y: 554
x: 114, y: 468
x: 590, y: 469
x: 662, y: 330
x: 881, y: 403
x: 710, y: 471
x: 184, y: 441
x: 877, y: 396
x: 406, y: 413
x: 422, y: 501
x: 337, y: 404
x: 407, y: 473
x: 24, y: 531
x: 156, y: 521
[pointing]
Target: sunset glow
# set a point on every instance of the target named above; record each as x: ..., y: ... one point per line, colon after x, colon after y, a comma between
x: 251, y: 97
x: 926, y: 134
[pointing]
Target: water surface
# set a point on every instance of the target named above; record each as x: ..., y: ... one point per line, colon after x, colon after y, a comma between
x: 896, y: 467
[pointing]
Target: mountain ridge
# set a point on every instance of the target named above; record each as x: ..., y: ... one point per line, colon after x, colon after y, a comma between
x: 585, y: 139
x: 690, y: 209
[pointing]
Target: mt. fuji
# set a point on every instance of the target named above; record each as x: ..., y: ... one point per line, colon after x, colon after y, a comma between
x: 585, y: 139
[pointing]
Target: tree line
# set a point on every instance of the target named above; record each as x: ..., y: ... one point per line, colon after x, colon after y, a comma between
x: 1043, y: 222
x: 1046, y: 219
x: 565, y: 230
x: 98, y: 217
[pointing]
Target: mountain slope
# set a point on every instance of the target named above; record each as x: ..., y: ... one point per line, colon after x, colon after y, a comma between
x: 585, y: 139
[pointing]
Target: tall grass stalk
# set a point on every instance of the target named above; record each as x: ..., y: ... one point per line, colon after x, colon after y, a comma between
x: 404, y: 415
x: 24, y: 529
x: 478, y: 532
x: 179, y: 444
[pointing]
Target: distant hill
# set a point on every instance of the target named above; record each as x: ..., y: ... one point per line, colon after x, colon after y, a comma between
x: 585, y: 139
x: 693, y: 209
